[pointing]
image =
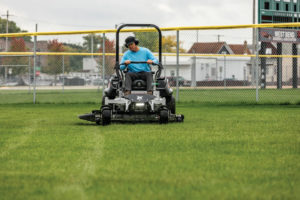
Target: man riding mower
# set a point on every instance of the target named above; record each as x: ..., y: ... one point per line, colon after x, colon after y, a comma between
x: 133, y: 94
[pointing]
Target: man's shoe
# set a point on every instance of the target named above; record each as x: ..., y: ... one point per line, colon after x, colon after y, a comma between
x: 127, y: 93
x: 150, y: 92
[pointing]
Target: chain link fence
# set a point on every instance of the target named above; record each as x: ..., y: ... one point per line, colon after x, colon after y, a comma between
x: 216, y: 65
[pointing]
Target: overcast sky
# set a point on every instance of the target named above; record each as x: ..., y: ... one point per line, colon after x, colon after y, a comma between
x: 66, y: 15
x: 60, y: 15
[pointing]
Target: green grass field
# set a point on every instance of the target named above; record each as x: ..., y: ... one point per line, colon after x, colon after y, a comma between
x: 230, y: 150
x: 216, y: 96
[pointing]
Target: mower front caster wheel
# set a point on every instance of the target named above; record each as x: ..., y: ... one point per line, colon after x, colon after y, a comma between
x: 106, y: 117
x: 163, y: 116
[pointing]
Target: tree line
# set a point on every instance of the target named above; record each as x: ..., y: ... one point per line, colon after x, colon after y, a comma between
x: 53, y: 64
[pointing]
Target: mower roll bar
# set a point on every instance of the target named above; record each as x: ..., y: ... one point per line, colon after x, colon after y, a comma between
x: 117, y: 66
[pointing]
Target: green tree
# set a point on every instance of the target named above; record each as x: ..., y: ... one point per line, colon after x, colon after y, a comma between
x: 54, y: 65
x: 169, y: 44
x: 12, y: 28
x: 98, y: 47
x: 109, y: 60
x: 17, y: 45
x: 150, y: 41
x: 97, y: 42
x: 76, y: 62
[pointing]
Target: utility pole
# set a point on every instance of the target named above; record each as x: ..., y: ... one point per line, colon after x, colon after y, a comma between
x: 253, y: 44
x: 6, y: 42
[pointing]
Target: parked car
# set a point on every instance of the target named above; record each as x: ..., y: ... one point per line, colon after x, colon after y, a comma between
x: 181, y: 81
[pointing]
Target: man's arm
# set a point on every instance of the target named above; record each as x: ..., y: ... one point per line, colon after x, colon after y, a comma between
x: 151, y: 57
x: 124, y: 59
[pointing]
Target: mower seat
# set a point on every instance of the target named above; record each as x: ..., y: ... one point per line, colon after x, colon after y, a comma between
x: 139, y: 84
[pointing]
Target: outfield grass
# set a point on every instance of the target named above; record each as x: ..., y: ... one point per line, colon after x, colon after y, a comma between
x: 219, y: 152
x: 219, y: 96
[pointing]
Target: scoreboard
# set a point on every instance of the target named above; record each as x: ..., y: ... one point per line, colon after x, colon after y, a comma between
x: 278, y: 11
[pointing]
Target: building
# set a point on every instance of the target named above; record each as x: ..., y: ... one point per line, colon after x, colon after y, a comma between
x: 214, y: 68
x: 90, y: 65
x: 170, y: 66
x: 271, y: 66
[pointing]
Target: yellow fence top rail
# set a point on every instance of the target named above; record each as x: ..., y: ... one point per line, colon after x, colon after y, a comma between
x: 277, y: 25
x: 164, y: 54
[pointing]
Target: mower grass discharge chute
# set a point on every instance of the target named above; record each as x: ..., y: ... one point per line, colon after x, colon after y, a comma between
x: 137, y: 106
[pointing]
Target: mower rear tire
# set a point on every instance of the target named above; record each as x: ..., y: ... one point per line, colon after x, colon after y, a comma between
x: 171, y: 104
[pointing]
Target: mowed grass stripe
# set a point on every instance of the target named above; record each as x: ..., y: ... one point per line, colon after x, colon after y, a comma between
x: 216, y: 96
x: 59, y: 162
x: 219, y: 152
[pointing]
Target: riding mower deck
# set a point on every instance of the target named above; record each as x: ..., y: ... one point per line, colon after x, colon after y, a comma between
x: 137, y: 106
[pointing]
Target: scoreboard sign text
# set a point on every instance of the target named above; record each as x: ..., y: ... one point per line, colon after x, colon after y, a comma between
x: 279, y: 35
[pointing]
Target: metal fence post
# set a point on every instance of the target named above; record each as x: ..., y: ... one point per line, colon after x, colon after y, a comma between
x: 63, y: 71
x: 103, y: 63
x: 224, y: 71
x: 217, y: 69
x: 177, y: 66
x: 165, y: 66
x: 34, y: 65
x: 5, y: 75
x: 92, y: 45
x: 279, y: 66
x: 193, y: 83
x: 295, y: 66
x: 263, y: 65
x: 29, y: 74
x: 256, y: 64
